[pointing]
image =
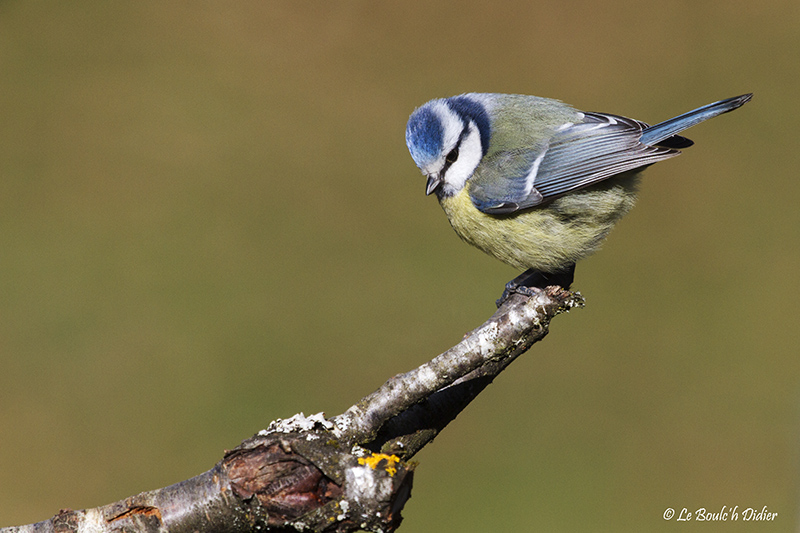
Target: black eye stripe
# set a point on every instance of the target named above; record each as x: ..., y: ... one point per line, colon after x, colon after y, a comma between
x: 452, y: 155
x: 450, y: 158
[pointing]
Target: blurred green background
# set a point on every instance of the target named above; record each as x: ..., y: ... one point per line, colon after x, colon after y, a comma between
x: 209, y: 220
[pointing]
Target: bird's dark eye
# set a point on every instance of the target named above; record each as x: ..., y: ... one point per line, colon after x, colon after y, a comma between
x: 452, y: 156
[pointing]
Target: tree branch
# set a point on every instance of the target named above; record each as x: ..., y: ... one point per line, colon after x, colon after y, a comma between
x: 347, y: 473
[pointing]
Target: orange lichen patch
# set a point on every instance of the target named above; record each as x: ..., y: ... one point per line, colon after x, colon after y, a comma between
x: 375, y: 459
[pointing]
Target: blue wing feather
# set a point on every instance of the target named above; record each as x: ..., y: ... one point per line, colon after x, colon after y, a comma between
x: 576, y: 156
x: 600, y: 147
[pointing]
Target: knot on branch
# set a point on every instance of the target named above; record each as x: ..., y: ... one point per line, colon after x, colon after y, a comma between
x: 304, y: 481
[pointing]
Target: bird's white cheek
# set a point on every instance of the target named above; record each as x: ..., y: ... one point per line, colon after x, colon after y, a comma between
x: 469, y: 156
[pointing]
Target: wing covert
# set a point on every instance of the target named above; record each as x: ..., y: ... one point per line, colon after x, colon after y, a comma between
x: 577, y: 155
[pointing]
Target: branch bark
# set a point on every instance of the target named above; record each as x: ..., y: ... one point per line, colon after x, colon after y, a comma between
x: 347, y: 473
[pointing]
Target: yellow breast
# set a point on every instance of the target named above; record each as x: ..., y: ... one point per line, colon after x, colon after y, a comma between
x: 548, y: 237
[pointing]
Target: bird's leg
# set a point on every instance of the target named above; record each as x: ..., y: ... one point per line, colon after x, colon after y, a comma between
x: 529, y: 281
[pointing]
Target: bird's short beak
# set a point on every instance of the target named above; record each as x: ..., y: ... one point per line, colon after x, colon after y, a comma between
x: 433, y: 184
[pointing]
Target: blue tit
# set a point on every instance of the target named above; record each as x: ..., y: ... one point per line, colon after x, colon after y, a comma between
x: 534, y: 182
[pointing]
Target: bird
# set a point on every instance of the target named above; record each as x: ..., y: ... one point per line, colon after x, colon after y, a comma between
x: 534, y: 182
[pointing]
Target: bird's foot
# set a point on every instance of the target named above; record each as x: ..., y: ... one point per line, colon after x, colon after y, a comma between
x: 531, y: 281
x: 513, y: 288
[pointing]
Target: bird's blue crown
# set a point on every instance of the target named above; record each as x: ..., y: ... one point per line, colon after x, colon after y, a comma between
x: 424, y: 135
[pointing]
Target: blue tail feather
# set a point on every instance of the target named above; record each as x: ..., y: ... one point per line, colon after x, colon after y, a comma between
x: 663, y: 130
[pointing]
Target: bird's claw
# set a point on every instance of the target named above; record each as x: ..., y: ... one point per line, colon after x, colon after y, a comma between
x: 513, y: 288
x: 531, y: 281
